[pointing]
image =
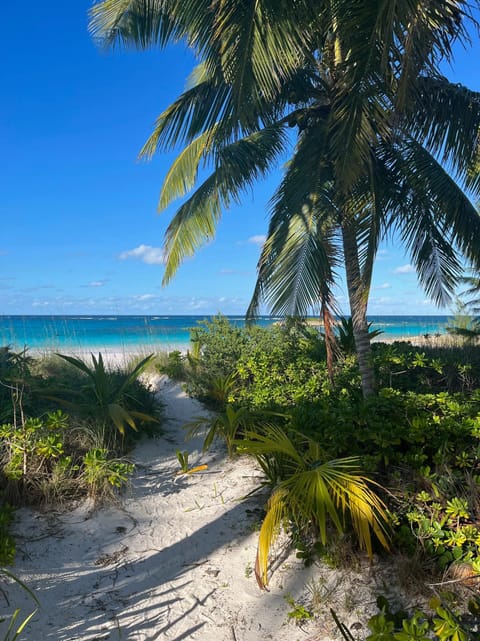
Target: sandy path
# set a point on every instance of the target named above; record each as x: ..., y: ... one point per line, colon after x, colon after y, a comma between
x: 172, y: 561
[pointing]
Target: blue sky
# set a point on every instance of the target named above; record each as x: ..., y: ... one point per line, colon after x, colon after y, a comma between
x: 80, y: 231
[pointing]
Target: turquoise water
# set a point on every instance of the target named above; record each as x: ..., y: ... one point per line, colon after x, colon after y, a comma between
x: 130, y: 333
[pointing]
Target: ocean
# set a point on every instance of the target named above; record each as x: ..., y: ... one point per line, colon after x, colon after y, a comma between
x: 158, y: 333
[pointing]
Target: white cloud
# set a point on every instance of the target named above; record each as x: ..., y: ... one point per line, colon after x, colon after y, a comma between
x: 404, y: 269
x: 257, y: 240
x: 383, y: 286
x: 145, y: 297
x: 97, y: 283
x: 146, y: 253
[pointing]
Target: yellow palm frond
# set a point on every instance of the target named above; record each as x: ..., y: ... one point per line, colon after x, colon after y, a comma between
x: 268, y: 533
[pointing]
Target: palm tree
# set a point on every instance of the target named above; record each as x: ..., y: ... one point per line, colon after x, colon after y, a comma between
x: 408, y: 192
x: 358, y: 83
x: 466, y: 322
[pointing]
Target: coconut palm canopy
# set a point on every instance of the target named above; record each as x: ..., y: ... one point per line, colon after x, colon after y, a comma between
x: 378, y: 142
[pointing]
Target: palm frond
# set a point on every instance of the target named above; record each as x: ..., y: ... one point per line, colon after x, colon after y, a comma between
x: 309, y: 497
x: 138, y: 23
x: 316, y: 492
x: 197, y: 110
x: 445, y: 117
x: 237, y: 167
x: 268, y: 533
x: 271, y: 440
x: 182, y: 175
x: 296, y: 272
x: 435, y: 217
x: 261, y: 44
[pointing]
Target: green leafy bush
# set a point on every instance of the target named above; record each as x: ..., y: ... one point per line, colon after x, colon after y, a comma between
x: 45, y: 460
x: 103, y: 475
x: 446, y: 623
x: 431, y: 368
x: 173, y: 365
x: 272, y: 367
x: 31, y: 450
x: 15, y: 382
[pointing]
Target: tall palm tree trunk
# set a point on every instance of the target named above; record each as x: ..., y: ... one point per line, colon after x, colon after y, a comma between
x: 358, y: 298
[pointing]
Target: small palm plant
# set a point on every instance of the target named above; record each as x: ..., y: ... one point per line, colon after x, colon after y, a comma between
x: 309, y: 490
x: 226, y: 425
x: 106, y: 394
x: 345, y: 334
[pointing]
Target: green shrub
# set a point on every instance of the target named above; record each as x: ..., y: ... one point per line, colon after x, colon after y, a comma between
x: 431, y: 368
x: 104, y: 475
x: 273, y: 367
x: 15, y: 382
x: 46, y: 460
x: 173, y: 365
x: 420, y: 432
x: 30, y: 451
x: 446, y: 623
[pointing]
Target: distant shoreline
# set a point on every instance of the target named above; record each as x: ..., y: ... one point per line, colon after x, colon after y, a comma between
x: 144, y: 334
x: 117, y: 357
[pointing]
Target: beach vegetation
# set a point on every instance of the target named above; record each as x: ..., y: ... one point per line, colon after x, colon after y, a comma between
x: 7, y: 541
x: 466, y: 322
x: 106, y: 395
x: 228, y: 424
x: 444, y: 622
x: 172, y: 364
x: 104, y: 474
x: 50, y: 457
x: 309, y: 491
x: 15, y: 382
x: 185, y: 467
x: 298, y: 612
x: 418, y: 436
x: 234, y: 362
x: 346, y: 336
x: 45, y: 460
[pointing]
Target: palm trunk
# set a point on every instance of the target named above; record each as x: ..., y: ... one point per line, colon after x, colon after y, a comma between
x: 358, y: 298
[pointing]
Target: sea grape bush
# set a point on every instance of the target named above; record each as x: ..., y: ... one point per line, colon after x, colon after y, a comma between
x: 431, y: 368
x: 274, y: 366
x: 32, y: 448
x: 445, y: 623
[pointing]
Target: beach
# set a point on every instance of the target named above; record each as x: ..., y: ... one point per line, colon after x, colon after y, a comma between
x: 174, y: 557
x: 146, y: 334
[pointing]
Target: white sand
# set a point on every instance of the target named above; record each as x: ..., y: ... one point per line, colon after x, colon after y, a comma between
x: 174, y: 559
